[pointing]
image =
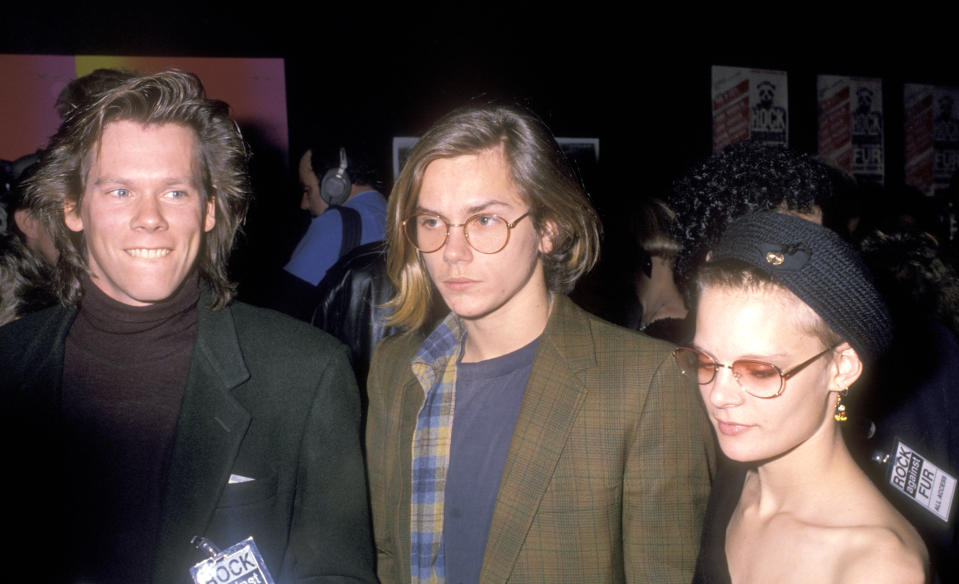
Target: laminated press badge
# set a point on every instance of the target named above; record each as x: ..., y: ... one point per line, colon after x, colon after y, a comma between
x: 238, y: 564
x: 916, y: 477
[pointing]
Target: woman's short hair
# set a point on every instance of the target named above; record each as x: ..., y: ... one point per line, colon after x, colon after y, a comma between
x: 650, y: 224
x: 738, y: 275
x: 538, y: 170
x: 171, y: 97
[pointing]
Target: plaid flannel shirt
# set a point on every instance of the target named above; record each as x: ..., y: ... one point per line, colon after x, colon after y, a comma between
x: 435, y: 368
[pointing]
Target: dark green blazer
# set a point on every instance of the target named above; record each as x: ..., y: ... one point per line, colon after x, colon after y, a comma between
x: 607, y: 474
x: 267, y: 397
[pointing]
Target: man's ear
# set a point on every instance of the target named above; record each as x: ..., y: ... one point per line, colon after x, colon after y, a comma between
x: 27, y: 223
x: 71, y: 216
x: 847, y: 367
x: 209, y: 217
x: 548, y: 235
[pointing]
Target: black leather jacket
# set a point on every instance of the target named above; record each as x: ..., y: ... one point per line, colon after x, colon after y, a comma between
x: 351, y: 303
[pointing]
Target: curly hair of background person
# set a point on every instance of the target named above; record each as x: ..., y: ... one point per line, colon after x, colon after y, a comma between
x: 744, y: 178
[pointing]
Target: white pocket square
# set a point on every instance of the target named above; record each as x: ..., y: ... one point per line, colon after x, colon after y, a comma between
x: 235, y: 478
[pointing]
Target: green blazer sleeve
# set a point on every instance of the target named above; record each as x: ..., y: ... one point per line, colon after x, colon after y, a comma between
x: 667, y: 480
x: 609, y: 468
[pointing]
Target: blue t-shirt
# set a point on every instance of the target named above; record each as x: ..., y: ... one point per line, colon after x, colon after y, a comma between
x: 319, y: 248
x: 488, y: 398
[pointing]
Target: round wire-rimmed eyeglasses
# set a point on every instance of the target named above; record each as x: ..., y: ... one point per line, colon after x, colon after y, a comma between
x: 485, y: 232
x: 757, y: 378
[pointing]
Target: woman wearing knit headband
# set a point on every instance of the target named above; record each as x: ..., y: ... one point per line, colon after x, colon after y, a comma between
x: 786, y: 320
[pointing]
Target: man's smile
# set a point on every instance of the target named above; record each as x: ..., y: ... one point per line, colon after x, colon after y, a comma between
x: 148, y: 253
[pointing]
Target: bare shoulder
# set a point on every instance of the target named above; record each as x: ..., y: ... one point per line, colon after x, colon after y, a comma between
x: 851, y: 536
x: 878, y: 543
x: 892, y: 553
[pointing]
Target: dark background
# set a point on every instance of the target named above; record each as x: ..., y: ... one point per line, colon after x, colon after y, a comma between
x: 638, y: 82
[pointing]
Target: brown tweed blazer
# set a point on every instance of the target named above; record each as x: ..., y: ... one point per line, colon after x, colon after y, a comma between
x: 607, y: 474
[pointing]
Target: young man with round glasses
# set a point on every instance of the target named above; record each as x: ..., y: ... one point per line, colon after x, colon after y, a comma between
x: 520, y: 439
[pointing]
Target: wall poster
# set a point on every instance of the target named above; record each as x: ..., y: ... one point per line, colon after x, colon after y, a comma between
x: 850, y: 121
x: 749, y: 103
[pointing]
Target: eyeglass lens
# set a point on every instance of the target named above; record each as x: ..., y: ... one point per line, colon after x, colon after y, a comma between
x: 485, y: 233
x: 756, y: 377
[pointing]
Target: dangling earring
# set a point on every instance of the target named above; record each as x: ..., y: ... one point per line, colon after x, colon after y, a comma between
x: 840, y: 415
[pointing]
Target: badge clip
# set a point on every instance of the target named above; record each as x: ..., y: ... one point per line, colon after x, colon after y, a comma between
x: 238, y: 564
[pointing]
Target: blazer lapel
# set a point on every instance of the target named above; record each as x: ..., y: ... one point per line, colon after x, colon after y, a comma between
x: 554, y: 395
x: 209, y: 431
x: 43, y: 357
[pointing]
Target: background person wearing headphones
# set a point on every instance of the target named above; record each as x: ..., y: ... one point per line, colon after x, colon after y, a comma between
x: 347, y: 209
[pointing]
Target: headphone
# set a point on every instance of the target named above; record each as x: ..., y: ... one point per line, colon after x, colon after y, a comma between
x: 336, y: 184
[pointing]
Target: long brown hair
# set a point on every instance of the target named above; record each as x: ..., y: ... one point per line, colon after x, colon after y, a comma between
x: 171, y: 97
x: 541, y: 174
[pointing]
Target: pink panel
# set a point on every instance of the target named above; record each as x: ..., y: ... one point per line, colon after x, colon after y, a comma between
x: 28, y: 93
x: 254, y: 88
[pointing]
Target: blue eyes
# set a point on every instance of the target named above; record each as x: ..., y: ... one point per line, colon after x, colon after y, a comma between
x: 125, y: 193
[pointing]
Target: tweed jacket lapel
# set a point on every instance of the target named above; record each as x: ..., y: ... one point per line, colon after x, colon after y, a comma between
x: 553, y: 397
x: 209, y: 431
x: 399, y: 417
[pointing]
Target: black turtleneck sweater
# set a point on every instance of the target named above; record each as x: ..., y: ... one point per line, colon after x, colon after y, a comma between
x: 124, y: 376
